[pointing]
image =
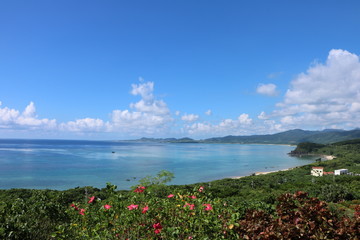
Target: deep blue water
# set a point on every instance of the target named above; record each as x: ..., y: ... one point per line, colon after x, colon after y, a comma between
x: 63, y: 164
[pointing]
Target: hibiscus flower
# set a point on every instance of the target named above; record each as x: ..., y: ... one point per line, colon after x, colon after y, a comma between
x: 132, y: 206
x: 157, y: 227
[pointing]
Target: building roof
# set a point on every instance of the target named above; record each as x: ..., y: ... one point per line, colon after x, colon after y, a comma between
x: 317, y: 167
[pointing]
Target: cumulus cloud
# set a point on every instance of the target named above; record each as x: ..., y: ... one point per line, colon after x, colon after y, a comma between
x: 242, y: 125
x: 267, y: 89
x: 263, y: 116
x: 190, y: 117
x: 83, y: 125
x: 145, y: 90
x: 327, y: 94
x: 244, y: 119
x: 13, y: 119
x: 145, y: 117
x: 149, y: 116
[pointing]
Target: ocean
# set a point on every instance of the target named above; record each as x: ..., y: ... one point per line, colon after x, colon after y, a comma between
x: 64, y: 164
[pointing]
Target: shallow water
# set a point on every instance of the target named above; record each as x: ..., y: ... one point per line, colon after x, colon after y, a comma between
x: 60, y: 164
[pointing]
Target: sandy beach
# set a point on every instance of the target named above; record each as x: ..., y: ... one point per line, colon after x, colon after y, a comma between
x: 323, y: 157
x: 262, y: 173
x: 328, y: 157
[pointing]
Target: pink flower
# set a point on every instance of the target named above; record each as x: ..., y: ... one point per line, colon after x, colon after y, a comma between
x: 107, y: 206
x: 91, y: 199
x: 191, y: 206
x: 145, y: 209
x: 171, y: 195
x: 82, y: 211
x: 208, y: 206
x: 157, y: 227
x: 190, y: 237
x: 139, y: 189
x: 74, y: 206
x: 201, y: 189
x: 193, y: 197
x: 132, y: 206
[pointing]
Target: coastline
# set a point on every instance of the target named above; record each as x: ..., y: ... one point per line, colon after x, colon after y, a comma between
x: 328, y: 157
x: 323, y: 157
x: 262, y: 173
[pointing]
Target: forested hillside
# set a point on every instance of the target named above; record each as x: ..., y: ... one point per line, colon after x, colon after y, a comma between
x: 288, y: 137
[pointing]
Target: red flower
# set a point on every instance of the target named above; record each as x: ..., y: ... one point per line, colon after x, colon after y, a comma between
x: 145, y: 209
x: 191, y: 206
x: 157, y: 227
x: 106, y: 206
x: 91, y: 199
x: 193, y: 197
x: 201, y: 189
x: 82, y: 211
x: 139, y: 189
x: 208, y: 206
x: 132, y: 206
x: 74, y: 206
x: 171, y: 195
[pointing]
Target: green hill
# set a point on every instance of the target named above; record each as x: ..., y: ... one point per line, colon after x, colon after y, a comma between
x: 291, y: 137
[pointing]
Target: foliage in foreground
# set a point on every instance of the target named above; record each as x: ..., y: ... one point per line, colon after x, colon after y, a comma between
x: 197, y: 216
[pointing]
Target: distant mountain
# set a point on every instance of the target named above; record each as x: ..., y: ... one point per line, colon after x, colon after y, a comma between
x: 288, y: 137
x: 292, y: 137
x: 332, y: 137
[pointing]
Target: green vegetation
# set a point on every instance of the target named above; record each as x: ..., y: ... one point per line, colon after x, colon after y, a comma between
x: 306, y: 148
x: 295, y: 136
x: 283, y: 205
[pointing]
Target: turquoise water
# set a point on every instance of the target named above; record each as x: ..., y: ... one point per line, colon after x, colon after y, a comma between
x: 59, y: 164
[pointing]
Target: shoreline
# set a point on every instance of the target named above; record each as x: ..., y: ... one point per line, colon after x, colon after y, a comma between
x: 328, y: 157
x: 262, y: 173
x: 323, y: 157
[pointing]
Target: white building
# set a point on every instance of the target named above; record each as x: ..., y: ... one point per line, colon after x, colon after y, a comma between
x: 317, y: 171
x: 341, y: 171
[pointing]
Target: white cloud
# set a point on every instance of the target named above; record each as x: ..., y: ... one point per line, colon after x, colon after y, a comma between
x: 190, y: 117
x: 8, y: 116
x: 326, y: 95
x: 29, y: 111
x: 244, y: 119
x: 199, y: 129
x: 148, y: 103
x: 83, y: 125
x: 145, y: 90
x: 147, y: 116
x: 355, y: 107
x: 240, y: 126
x: 13, y: 119
x: 267, y: 89
x: 150, y: 116
x: 263, y: 116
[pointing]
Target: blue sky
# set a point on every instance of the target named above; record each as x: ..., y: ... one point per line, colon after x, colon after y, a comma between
x: 128, y: 69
